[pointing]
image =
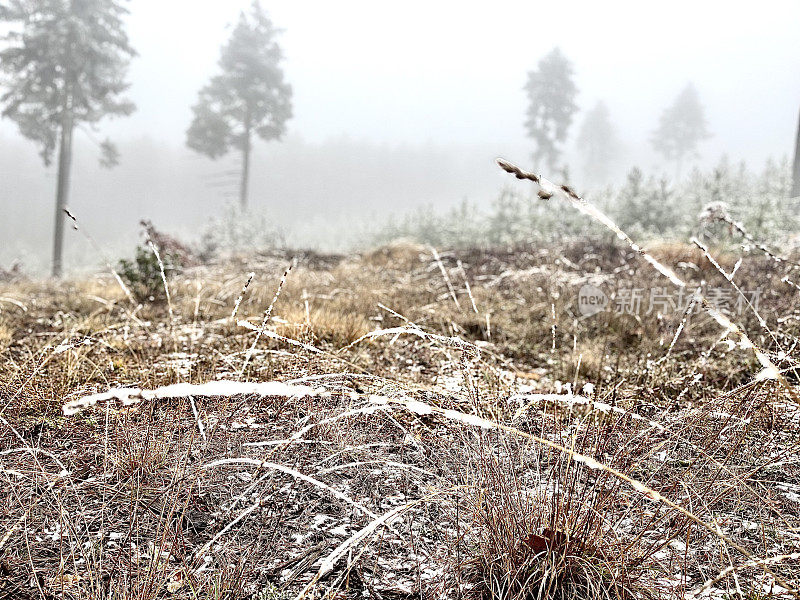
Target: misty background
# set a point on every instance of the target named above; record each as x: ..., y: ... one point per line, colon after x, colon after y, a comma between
x: 395, y: 109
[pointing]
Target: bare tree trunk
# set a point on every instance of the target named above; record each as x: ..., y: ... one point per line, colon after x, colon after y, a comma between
x: 62, y: 191
x: 796, y: 171
x: 245, y: 184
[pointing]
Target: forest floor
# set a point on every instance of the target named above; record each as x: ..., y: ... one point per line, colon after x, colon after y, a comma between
x: 406, y: 423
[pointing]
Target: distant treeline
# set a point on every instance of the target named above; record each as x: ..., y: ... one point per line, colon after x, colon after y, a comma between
x: 320, y: 195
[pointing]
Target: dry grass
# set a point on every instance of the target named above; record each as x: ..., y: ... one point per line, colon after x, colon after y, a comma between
x: 517, y: 451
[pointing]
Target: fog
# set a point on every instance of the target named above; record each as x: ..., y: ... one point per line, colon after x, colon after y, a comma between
x: 400, y: 106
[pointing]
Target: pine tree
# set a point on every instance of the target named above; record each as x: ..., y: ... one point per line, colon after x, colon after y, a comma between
x: 681, y: 128
x: 66, y: 66
x: 248, y: 97
x: 551, y: 95
x: 795, y: 193
x: 646, y: 206
x: 597, y: 142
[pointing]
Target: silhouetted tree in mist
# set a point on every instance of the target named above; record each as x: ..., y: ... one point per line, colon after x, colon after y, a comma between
x: 681, y: 128
x: 796, y: 167
x: 551, y: 95
x: 597, y: 143
x: 248, y: 97
x: 65, y: 67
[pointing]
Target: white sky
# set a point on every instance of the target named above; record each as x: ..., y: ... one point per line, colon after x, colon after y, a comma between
x: 416, y: 72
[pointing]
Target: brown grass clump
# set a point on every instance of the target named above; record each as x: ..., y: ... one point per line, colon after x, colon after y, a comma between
x: 337, y: 327
x: 399, y: 254
x: 554, y: 541
x: 6, y: 336
x: 675, y: 253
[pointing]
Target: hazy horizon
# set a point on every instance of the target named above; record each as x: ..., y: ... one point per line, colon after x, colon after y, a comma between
x: 431, y: 83
x: 449, y: 73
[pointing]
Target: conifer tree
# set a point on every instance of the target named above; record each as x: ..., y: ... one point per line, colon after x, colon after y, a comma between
x: 248, y: 97
x: 795, y: 193
x: 681, y: 128
x: 551, y: 95
x: 65, y: 63
x: 597, y: 142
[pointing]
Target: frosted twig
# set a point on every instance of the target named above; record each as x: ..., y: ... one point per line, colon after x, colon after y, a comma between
x: 452, y: 342
x: 388, y: 463
x: 280, y: 338
x: 198, y: 419
x: 16, y: 303
x: 102, y: 254
x: 398, y: 315
x: 570, y: 401
x: 212, y: 389
x: 241, y: 295
x: 770, y: 560
x: 265, y: 320
x: 467, y: 286
x: 788, y: 281
x: 686, y: 314
x: 717, y: 211
x: 330, y: 561
x: 450, y: 287
x: 163, y: 280
x: 729, y: 277
x: 548, y: 189
x: 262, y: 464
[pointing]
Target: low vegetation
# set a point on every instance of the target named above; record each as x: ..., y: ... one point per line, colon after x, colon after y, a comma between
x: 646, y: 206
x: 407, y: 422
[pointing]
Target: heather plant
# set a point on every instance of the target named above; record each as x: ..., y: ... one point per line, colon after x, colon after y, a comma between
x: 142, y: 274
x: 158, y: 259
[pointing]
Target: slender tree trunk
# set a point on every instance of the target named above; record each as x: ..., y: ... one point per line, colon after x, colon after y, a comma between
x: 246, y: 147
x: 62, y: 190
x: 796, y: 170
